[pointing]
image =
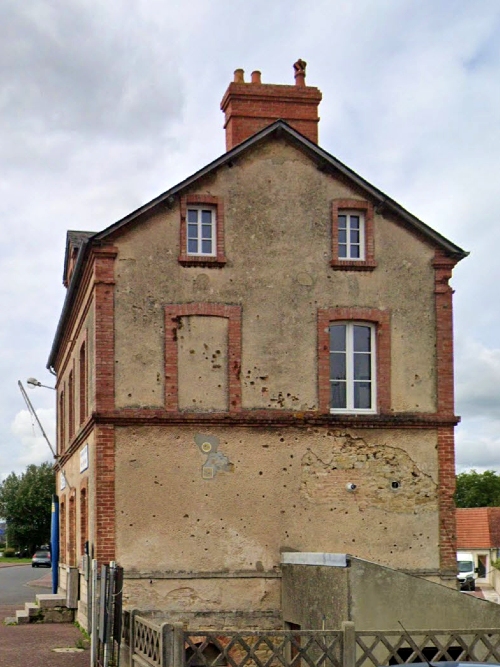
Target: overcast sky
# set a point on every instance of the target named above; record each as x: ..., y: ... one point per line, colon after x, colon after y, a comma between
x: 104, y: 105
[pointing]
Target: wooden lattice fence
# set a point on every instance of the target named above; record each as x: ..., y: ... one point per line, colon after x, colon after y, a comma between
x: 156, y: 644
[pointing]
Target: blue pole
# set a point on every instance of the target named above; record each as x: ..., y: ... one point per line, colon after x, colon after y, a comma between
x: 54, y: 542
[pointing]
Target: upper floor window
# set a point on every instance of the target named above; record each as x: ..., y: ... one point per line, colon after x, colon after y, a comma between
x: 202, y: 231
x: 83, y: 384
x: 351, y: 231
x: 352, y: 367
x: 201, y: 225
x: 353, y: 244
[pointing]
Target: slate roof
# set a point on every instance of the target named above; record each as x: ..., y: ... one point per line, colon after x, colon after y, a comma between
x: 478, y: 528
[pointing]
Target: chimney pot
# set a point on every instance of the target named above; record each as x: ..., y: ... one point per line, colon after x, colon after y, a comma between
x: 300, y: 72
x: 256, y: 77
x: 239, y: 76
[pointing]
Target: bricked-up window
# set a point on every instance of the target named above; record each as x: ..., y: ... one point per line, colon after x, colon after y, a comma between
x: 71, y: 405
x: 83, y: 384
x: 202, y: 231
x: 339, y: 371
x: 352, y: 367
x: 62, y: 418
x: 353, y: 246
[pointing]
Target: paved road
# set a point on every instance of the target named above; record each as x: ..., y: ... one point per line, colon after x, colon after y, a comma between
x: 13, y: 584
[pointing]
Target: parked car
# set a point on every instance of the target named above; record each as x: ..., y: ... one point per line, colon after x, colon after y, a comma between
x: 41, y: 559
x: 466, y: 571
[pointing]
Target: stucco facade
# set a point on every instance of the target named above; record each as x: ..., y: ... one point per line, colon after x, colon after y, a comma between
x: 208, y: 442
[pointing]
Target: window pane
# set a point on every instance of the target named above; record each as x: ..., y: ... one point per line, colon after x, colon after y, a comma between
x: 355, y: 251
x: 338, y: 395
x: 354, y: 220
x: 206, y: 217
x: 355, y: 236
x: 362, y: 338
x: 192, y: 215
x: 342, y: 251
x: 337, y: 366
x: 192, y: 231
x: 342, y: 236
x: 206, y: 247
x: 342, y: 221
x: 192, y: 245
x: 337, y: 337
x: 206, y: 231
x: 362, y: 366
x: 362, y: 395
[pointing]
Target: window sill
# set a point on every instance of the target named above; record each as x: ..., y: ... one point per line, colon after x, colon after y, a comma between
x: 200, y: 260
x: 353, y: 265
x: 353, y: 412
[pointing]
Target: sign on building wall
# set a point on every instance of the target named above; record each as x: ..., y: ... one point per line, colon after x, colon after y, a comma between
x: 62, y: 482
x: 84, y: 458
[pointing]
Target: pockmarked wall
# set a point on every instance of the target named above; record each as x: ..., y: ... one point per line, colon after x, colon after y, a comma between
x: 190, y: 541
x: 278, y: 246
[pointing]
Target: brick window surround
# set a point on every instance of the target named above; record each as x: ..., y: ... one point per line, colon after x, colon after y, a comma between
x: 366, y: 208
x: 173, y: 313
x: 216, y: 203
x: 382, y: 320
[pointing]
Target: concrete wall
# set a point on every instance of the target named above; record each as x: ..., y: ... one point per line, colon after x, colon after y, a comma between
x: 278, y: 244
x: 377, y: 598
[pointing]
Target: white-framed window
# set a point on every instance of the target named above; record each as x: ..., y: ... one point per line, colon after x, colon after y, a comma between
x: 201, y: 236
x: 352, y: 367
x: 351, y: 235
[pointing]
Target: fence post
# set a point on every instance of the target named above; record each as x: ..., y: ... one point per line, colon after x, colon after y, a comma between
x: 349, y: 644
x: 177, y: 645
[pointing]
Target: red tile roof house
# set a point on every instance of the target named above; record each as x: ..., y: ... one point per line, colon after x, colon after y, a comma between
x: 478, y: 532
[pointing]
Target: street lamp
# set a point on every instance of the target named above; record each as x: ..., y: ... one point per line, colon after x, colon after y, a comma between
x: 36, y: 383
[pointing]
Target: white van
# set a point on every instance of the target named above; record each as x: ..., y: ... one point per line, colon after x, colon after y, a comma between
x: 466, y: 571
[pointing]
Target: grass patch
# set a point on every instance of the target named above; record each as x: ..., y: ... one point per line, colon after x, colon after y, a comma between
x: 13, y: 559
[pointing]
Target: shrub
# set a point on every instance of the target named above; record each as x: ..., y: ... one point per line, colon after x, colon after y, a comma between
x: 9, y: 553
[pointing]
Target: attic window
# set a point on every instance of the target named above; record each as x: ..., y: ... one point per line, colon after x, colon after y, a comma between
x: 202, y: 231
x: 352, y: 235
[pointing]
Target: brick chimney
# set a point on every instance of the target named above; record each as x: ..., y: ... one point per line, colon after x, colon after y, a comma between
x: 250, y: 107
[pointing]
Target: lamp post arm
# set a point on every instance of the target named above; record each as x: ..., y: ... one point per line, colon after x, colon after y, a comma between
x: 33, y: 413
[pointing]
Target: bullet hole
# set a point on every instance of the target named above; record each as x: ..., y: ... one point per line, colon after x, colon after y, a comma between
x: 186, y: 516
x: 208, y: 532
x: 129, y: 395
x: 282, y: 512
x: 260, y: 472
x: 395, y: 485
x: 282, y: 439
x: 191, y: 352
x: 291, y: 456
x: 353, y: 539
x: 265, y: 446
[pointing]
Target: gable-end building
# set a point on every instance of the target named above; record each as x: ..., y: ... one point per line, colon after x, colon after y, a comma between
x: 259, y: 360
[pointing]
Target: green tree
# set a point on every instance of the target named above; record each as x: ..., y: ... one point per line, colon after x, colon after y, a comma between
x: 475, y: 489
x: 25, y: 503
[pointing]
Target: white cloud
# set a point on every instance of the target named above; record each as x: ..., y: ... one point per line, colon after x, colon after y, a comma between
x: 105, y: 105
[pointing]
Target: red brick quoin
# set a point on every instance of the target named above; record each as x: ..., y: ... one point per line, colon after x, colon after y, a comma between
x: 173, y: 313
x: 382, y: 319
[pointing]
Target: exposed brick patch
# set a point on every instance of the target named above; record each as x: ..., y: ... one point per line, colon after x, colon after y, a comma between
x: 250, y: 107
x: 219, y: 259
x: 446, y: 489
x: 382, y: 320
x: 365, y: 207
x: 173, y: 312
x: 105, y: 493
